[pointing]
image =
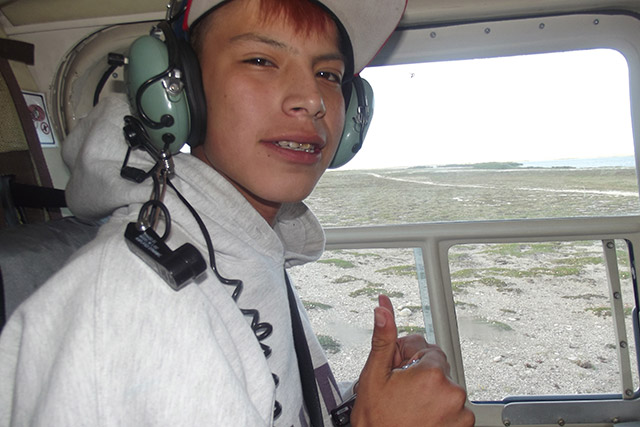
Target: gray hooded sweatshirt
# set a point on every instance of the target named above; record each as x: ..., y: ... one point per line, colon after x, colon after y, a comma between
x: 106, y: 342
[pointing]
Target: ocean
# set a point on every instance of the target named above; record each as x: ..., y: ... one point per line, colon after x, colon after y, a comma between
x: 621, y: 161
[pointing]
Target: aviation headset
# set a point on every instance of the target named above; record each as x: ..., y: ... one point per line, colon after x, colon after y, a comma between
x: 165, y: 90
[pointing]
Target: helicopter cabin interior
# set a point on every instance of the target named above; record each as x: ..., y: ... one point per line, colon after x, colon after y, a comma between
x: 496, y: 198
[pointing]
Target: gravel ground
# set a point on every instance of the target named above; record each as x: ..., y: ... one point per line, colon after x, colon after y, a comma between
x: 533, y: 321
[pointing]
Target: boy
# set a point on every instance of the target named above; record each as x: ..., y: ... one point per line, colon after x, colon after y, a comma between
x: 107, y: 342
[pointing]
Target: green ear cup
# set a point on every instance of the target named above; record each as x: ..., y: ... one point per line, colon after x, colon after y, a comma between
x: 357, y: 120
x: 148, y: 71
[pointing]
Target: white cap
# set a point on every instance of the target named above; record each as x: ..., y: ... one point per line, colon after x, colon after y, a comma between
x: 368, y: 23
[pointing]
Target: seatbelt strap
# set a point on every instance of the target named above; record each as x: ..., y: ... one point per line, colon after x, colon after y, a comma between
x: 305, y: 364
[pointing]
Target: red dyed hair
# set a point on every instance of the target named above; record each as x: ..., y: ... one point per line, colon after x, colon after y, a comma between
x: 306, y: 16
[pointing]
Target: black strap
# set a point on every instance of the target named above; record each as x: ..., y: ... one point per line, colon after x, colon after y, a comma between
x: 305, y: 364
x: 34, y: 196
x: 3, y: 316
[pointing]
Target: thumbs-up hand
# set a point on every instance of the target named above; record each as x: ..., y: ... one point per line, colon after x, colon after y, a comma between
x: 405, y: 381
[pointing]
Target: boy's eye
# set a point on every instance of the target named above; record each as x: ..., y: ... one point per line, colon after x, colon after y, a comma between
x: 261, y: 62
x: 332, y: 77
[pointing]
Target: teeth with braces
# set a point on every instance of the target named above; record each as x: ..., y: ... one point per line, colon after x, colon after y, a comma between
x: 291, y: 145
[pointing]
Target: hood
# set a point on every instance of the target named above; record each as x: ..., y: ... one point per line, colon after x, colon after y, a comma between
x: 95, y: 151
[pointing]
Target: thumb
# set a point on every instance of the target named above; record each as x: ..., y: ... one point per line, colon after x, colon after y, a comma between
x: 383, y: 346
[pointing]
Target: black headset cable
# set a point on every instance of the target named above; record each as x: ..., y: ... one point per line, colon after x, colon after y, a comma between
x: 261, y: 330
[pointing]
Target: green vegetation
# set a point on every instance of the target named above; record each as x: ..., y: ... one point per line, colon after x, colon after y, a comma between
x: 372, y: 290
x: 365, y: 254
x: 460, y: 286
x: 606, y: 311
x: 396, y: 294
x: 411, y: 330
x: 521, y: 249
x: 399, y: 270
x: 395, y: 196
x: 558, y: 271
x: 581, y: 261
x: 492, y: 281
x: 329, y: 344
x: 312, y: 305
x: 499, y: 325
x: 367, y: 291
x: 483, y: 275
x: 623, y: 257
x: 341, y: 263
x: 464, y: 273
x: 345, y: 279
x: 556, y: 259
x: 600, y: 311
x: 587, y: 297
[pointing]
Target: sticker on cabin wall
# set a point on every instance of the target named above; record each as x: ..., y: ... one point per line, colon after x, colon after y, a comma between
x: 38, y: 110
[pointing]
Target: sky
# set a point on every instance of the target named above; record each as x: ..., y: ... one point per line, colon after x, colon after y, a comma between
x: 523, y: 108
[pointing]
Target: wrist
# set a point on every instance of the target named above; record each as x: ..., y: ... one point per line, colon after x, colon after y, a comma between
x: 342, y: 415
x: 359, y: 416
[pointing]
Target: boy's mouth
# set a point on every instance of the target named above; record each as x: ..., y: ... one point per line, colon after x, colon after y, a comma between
x: 296, y: 146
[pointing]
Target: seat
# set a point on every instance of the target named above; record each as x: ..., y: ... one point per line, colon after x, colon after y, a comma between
x: 35, y: 241
x: 47, y: 246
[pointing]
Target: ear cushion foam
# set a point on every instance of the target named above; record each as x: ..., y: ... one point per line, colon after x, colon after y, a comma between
x: 188, y: 63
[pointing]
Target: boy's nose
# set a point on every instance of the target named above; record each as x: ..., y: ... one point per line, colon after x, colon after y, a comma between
x: 304, y: 98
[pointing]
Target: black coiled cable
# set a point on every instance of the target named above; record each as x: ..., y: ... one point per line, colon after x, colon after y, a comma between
x: 261, y: 330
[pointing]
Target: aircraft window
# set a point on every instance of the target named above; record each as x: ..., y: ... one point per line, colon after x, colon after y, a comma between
x: 534, y: 319
x: 539, y: 319
x: 341, y: 307
x: 532, y: 136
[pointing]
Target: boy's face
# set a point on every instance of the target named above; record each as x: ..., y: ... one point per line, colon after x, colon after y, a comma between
x: 274, y: 104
